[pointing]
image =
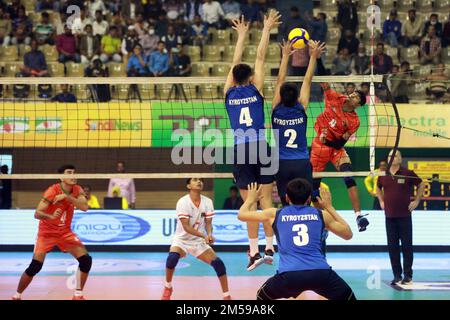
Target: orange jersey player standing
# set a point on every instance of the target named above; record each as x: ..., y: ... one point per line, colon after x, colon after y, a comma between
x: 55, y: 212
x: 334, y: 126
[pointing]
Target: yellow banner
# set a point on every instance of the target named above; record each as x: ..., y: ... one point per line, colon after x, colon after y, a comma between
x: 76, y: 125
x: 425, y: 122
x: 426, y: 169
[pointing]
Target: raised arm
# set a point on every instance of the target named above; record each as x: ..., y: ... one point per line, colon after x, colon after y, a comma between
x: 272, y: 20
x: 247, y: 214
x: 287, y: 51
x: 316, y: 50
x: 241, y: 28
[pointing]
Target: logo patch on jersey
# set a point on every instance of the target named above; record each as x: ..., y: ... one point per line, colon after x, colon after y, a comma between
x: 203, y: 215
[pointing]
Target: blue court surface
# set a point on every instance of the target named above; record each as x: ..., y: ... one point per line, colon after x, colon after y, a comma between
x: 368, y: 274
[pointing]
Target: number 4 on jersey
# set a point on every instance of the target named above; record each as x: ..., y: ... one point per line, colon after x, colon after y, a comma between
x: 245, y: 117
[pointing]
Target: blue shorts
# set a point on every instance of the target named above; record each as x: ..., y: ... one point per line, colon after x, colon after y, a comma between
x: 250, y: 171
x: 289, y: 170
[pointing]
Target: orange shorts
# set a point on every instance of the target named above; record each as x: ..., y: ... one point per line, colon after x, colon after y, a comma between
x: 45, y: 243
x: 322, y: 154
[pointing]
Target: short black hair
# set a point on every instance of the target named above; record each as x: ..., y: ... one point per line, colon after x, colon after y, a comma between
x: 324, y: 15
x: 380, y: 44
x: 45, y: 14
x: 362, y: 97
x: 365, y: 84
x: 112, y: 28
x: 294, y: 9
x: 404, y: 63
x: 241, y: 73
x: 289, y: 94
x: 66, y: 167
x: 299, y: 190
x: 234, y: 188
x: 434, y: 15
x: 412, y: 10
x: 4, y: 169
x: 188, y: 181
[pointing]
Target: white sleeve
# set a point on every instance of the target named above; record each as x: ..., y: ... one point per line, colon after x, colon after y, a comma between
x: 183, y: 211
x: 210, y: 210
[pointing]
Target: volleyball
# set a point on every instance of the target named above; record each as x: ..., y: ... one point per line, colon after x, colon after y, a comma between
x: 299, y: 38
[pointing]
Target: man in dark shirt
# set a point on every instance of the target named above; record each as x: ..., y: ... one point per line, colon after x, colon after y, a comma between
x: 394, y: 192
x: 5, y: 190
x: 34, y: 61
x: 347, y: 15
x: 181, y: 63
x: 65, y: 96
x: 234, y: 201
x: 349, y: 41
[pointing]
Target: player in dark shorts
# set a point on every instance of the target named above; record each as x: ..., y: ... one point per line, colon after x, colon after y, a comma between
x: 298, y: 229
x: 289, y: 120
x: 245, y: 106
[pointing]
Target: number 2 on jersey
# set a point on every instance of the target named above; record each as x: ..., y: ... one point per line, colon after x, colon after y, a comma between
x: 245, y: 117
x: 292, y: 135
x: 302, y: 237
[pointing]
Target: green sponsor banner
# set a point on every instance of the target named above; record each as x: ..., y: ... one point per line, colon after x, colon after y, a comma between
x: 48, y: 125
x: 190, y: 124
x: 14, y: 125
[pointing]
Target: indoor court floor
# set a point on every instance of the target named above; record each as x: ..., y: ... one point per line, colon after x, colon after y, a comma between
x: 140, y: 276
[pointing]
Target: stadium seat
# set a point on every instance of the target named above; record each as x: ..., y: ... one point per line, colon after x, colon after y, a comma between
x: 147, y: 91
x: 255, y: 36
x: 116, y: 70
x: 211, y: 53
x: 50, y: 53
x: 200, y: 69
x: 268, y: 67
x: 211, y: 33
x: 162, y: 91
x: 269, y: 90
x: 23, y: 48
x: 234, y: 37
x: 405, y: 5
x: 446, y: 55
x: 81, y: 91
x: 75, y: 69
x: 9, y: 53
x: 424, y: 5
x: 410, y: 54
x: 11, y: 68
x: 56, y: 69
x: 220, y: 70
x: 250, y: 53
x: 273, y: 53
x: 417, y: 91
x: 392, y: 52
x: 442, y: 5
x: 221, y: 37
x: 328, y: 4
x: 194, y: 53
x: 30, y: 5
x: 333, y: 36
x: 385, y: 5
x: 228, y: 53
x: 208, y: 91
x: 422, y: 71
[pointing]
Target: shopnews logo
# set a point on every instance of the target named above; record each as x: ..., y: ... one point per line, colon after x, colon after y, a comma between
x: 112, y: 125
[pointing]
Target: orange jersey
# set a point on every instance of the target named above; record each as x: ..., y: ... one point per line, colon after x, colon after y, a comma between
x: 334, y: 119
x: 62, y: 224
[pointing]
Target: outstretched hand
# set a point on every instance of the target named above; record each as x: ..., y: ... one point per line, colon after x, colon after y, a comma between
x: 286, y: 48
x: 316, y: 48
x: 324, y: 200
x: 272, y: 19
x: 253, y: 192
x: 241, y: 26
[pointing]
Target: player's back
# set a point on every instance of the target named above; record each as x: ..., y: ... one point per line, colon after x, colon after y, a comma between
x: 299, y: 230
x: 245, y: 108
x: 291, y: 123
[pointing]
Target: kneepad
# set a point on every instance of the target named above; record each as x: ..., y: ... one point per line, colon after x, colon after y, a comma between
x: 34, y: 267
x: 349, y: 181
x: 219, y: 267
x: 85, y: 263
x: 172, y: 260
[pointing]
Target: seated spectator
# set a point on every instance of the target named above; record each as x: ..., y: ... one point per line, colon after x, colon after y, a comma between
x: 251, y: 10
x: 141, y: 26
x: 400, y: 81
x: 350, y: 88
x: 13, y: 9
x: 149, y: 41
x: 180, y: 63
x: 5, y: 27
x: 34, y: 62
x: 174, y: 8
x: 158, y: 62
x: 392, y: 29
x: 439, y: 84
x: 412, y: 29
x: 79, y: 24
x: 153, y: 10
x: 90, y: 48
x: 92, y: 199
x: 137, y: 63
x: 365, y: 88
x: 100, y: 26
x: 121, y: 27
x: 361, y: 62
x: 382, y: 62
x: 47, y: 5
x: 349, y: 41
x: 117, y: 194
x: 171, y: 40
x: 212, y: 13
x: 111, y: 47
x: 181, y: 29
x: 66, y: 45
x: 99, y: 92
x: 347, y: 17
x: 21, y: 28
x: 446, y: 33
x: 161, y: 25
x: 231, y: 10
x: 43, y: 31
x: 318, y: 27
x: 96, y: 5
x: 199, y: 32
x: 430, y: 47
x: 434, y: 21
x: 130, y: 9
x: 129, y: 42
x: 342, y: 64
x: 192, y: 8
x: 234, y: 201
x: 65, y: 96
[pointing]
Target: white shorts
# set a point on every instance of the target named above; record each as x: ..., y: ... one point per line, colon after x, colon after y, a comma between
x: 195, y: 248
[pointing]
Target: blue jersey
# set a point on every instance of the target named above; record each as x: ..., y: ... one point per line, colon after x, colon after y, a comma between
x: 245, y: 107
x: 291, y: 123
x: 298, y: 230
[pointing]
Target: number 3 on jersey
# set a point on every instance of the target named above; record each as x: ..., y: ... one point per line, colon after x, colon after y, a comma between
x: 302, y: 237
x: 245, y: 117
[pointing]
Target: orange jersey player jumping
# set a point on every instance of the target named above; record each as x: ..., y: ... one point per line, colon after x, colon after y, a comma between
x: 334, y: 126
x: 55, y: 212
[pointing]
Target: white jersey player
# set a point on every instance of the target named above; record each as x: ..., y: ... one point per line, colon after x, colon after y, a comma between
x: 194, y: 235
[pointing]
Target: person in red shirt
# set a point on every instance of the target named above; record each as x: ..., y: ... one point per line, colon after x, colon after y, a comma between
x: 55, y: 212
x: 334, y: 127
